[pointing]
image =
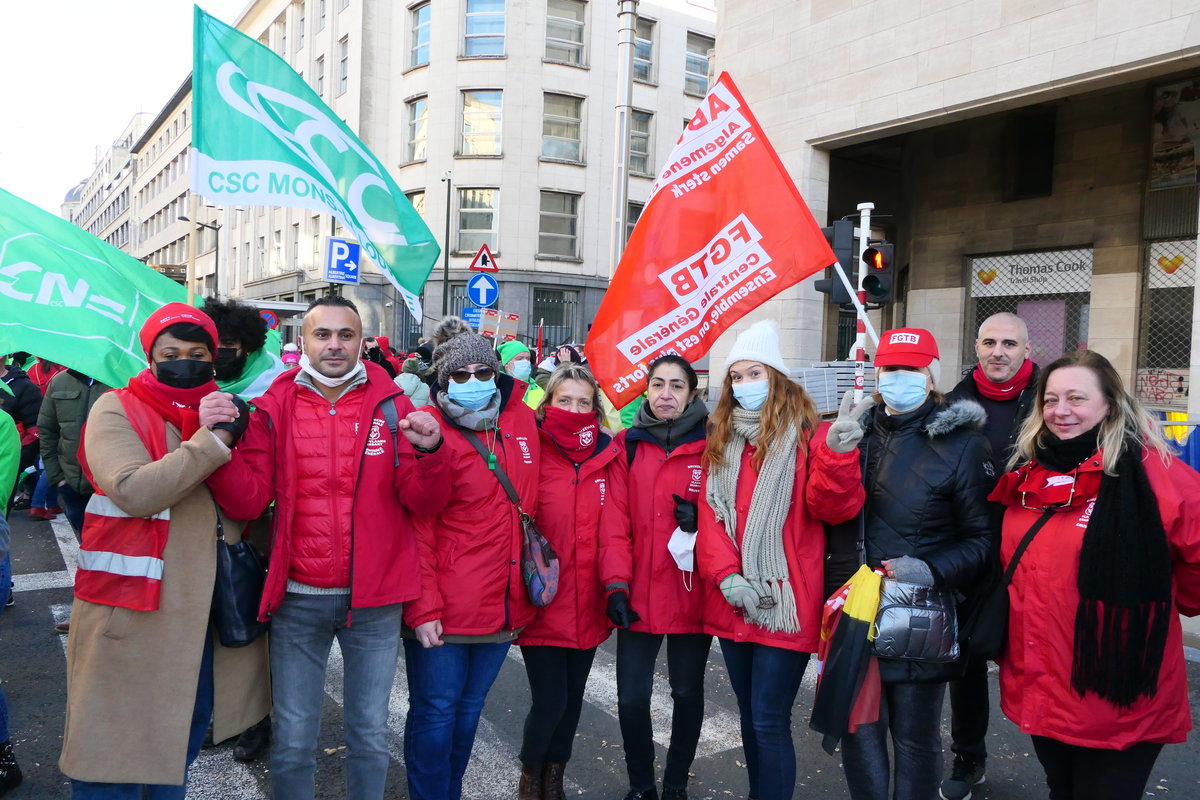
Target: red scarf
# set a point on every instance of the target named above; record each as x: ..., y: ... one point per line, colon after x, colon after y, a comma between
x: 576, y: 433
x: 1009, y: 389
x: 180, y: 407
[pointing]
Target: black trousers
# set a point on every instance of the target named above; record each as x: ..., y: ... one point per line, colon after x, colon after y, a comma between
x: 970, y: 708
x: 1089, y: 773
x: 687, y: 658
x: 557, y: 678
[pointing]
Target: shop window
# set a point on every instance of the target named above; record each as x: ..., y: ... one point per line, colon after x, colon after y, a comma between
x: 1165, y: 337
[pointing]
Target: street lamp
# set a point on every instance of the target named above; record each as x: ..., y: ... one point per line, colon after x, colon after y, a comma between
x: 216, y: 229
x: 446, y: 250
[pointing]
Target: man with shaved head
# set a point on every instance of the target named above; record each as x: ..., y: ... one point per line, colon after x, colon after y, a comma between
x: 1004, y: 382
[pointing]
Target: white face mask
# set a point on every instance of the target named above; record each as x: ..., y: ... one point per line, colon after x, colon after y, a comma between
x: 325, y: 380
x: 683, y: 549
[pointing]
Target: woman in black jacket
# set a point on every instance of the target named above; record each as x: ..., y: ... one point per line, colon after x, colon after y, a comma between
x: 927, y: 470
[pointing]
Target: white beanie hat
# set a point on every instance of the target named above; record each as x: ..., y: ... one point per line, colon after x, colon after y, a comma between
x: 759, y: 342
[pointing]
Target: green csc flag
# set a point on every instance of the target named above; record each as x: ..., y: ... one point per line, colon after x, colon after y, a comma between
x: 72, y: 298
x: 261, y: 136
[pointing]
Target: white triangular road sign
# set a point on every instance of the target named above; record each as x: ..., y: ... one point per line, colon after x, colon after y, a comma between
x: 484, y: 261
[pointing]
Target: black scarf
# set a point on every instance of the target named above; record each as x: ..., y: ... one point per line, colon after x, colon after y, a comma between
x: 1124, y: 581
x: 668, y: 432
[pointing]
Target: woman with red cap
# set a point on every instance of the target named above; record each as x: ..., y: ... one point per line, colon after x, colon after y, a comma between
x: 927, y: 470
x: 144, y: 673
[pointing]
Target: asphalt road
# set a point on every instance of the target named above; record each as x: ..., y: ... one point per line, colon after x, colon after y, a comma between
x: 32, y: 660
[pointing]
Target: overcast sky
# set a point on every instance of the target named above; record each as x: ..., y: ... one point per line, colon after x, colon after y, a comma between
x: 75, y: 72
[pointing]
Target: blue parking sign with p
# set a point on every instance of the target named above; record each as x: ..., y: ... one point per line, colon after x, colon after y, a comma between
x: 341, y: 261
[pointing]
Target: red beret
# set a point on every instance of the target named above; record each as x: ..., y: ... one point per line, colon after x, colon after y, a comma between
x: 173, y: 314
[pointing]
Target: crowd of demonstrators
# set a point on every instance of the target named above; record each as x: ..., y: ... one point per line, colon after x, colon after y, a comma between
x: 473, y: 602
x: 581, y: 510
x: 22, y: 400
x: 1094, y: 668
x: 775, y: 474
x: 144, y: 672
x: 927, y: 470
x: 1004, y: 383
x: 44, y: 503
x: 663, y: 449
x: 10, y: 454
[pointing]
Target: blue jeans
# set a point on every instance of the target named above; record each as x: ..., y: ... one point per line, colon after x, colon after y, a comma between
x: 201, y: 714
x: 73, y: 504
x: 912, y: 714
x: 447, y: 687
x: 302, y: 632
x: 44, y: 495
x: 766, y: 680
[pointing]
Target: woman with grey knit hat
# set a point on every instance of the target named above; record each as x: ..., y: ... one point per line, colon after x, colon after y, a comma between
x: 775, y: 474
x: 472, y: 587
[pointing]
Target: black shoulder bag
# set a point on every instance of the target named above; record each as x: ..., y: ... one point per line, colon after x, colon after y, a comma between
x: 237, y: 590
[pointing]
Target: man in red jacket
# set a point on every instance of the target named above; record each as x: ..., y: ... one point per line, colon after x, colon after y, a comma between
x: 347, y: 459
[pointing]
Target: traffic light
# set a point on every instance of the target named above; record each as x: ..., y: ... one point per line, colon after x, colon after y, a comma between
x: 840, y: 236
x: 879, y: 283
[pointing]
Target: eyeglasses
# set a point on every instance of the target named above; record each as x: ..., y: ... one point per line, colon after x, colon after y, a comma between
x: 1054, y: 506
x: 462, y: 375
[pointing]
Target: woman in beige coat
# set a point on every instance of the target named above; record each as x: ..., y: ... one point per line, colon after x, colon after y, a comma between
x: 144, y: 670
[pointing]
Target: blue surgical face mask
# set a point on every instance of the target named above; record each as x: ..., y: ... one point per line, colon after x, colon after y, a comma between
x: 903, y: 390
x: 751, y: 396
x: 474, y: 394
x: 522, y: 369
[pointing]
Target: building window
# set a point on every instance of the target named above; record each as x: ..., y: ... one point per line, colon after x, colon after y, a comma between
x: 482, y: 112
x: 345, y: 3
x: 320, y: 76
x: 343, y: 64
x: 633, y: 212
x: 296, y: 245
x: 643, y: 50
x: 282, y: 23
x: 485, y: 28
x: 320, y: 15
x: 458, y: 299
x: 561, y: 120
x: 417, y: 199
x: 477, y: 215
x: 557, y: 310
x: 1165, y: 339
x: 564, y: 31
x: 695, y: 65
x: 420, y: 35
x: 639, y: 142
x: 418, y: 128
x: 260, y: 258
x: 300, y: 30
x: 1029, y: 154
x: 558, y: 225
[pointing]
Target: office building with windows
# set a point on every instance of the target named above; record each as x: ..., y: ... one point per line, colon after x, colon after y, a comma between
x: 1034, y: 157
x: 102, y: 203
x: 496, y: 118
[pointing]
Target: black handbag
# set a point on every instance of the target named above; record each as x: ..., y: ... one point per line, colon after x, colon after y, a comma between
x: 985, y: 631
x: 237, y: 591
x: 916, y: 622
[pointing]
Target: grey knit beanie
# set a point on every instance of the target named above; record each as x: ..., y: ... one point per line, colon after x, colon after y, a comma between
x: 461, y: 350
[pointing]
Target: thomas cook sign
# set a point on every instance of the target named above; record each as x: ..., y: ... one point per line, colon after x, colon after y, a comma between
x: 1051, y: 272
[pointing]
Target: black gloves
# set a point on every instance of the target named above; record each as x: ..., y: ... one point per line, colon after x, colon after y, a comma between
x: 239, y: 425
x: 618, y: 611
x: 685, y: 514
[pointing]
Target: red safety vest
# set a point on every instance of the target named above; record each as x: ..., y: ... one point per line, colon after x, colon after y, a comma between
x: 120, y: 560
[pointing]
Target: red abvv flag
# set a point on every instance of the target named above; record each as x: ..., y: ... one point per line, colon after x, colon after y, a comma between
x: 725, y: 230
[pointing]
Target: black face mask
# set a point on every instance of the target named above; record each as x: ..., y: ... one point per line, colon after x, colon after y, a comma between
x: 228, y: 364
x: 184, y: 373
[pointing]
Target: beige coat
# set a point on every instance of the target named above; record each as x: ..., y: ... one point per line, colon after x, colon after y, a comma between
x: 132, y: 675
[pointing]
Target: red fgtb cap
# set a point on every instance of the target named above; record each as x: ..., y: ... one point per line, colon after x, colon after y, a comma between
x: 171, y: 314
x: 906, y: 347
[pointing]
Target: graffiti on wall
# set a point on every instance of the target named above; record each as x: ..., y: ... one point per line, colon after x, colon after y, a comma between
x: 1164, y: 388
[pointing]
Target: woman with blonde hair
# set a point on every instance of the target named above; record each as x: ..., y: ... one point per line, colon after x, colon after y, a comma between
x: 775, y: 473
x: 1104, y: 526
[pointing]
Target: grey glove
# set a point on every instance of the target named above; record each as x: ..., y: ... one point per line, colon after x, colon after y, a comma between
x: 847, y: 430
x: 910, y: 570
x: 741, y: 595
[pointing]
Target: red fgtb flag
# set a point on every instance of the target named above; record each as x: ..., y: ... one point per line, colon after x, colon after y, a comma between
x: 725, y: 230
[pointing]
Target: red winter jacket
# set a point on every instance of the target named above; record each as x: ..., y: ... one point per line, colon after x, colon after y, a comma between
x: 1035, y: 671
x: 579, y: 511
x: 659, y: 591
x: 471, y: 551
x: 828, y: 488
x: 331, y: 472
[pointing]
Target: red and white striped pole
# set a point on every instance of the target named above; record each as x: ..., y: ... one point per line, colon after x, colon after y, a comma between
x: 860, y: 339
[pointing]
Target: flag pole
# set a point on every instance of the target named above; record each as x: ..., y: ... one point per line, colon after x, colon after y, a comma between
x: 626, y: 27
x: 860, y: 337
x: 191, y: 263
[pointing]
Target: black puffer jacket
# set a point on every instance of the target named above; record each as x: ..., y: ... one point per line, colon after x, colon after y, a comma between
x: 927, y: 475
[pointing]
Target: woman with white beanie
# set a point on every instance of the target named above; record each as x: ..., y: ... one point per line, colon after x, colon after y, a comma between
x: 775, y: 474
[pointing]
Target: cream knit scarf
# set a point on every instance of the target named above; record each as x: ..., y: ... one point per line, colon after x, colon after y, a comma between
x: 764, y: 564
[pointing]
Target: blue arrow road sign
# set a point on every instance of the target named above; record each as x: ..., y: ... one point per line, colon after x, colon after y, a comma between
x: 341, y: 261
x: 482, y: 290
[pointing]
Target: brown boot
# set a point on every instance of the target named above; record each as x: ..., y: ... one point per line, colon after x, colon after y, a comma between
x: 530, y: 787
x: 552, y: 779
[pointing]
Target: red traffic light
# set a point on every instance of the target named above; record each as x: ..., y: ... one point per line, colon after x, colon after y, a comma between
x: 874, y: 258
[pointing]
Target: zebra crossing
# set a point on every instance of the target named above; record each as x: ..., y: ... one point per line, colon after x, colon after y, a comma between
x: 492, y: 772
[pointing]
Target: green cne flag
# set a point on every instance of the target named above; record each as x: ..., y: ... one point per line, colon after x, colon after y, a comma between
x: 261, y: 136
x: 72, y: 298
